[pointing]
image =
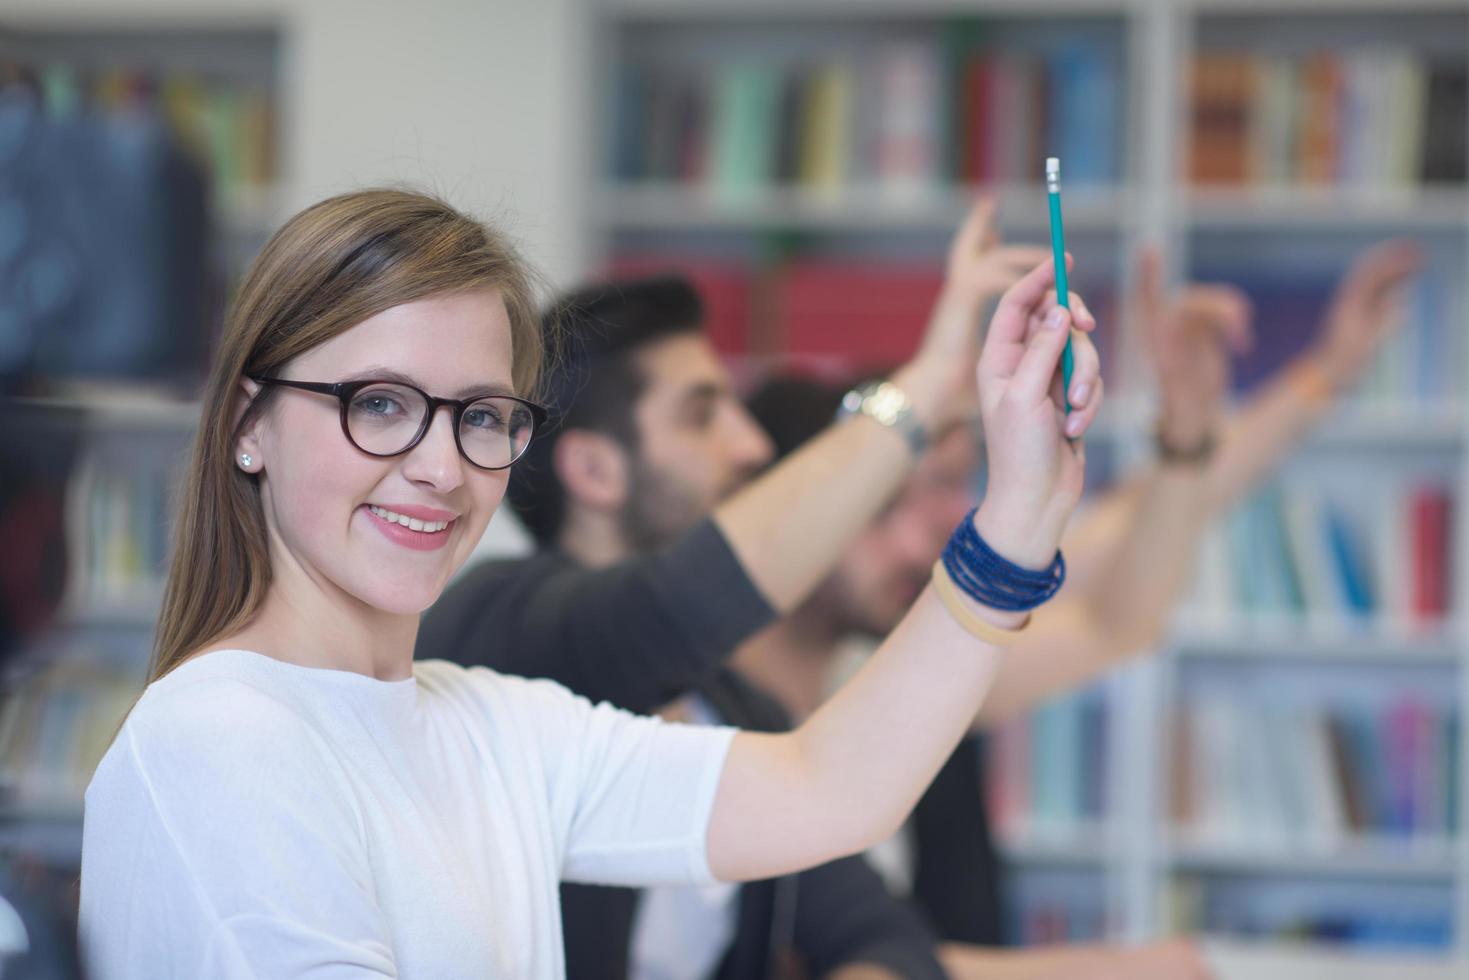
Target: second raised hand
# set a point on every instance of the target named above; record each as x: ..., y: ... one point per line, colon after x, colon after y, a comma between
x: 980, y: 267
x: 1036, y: 472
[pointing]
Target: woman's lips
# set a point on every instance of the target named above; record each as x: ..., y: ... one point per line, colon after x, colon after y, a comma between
x: 406, y: 536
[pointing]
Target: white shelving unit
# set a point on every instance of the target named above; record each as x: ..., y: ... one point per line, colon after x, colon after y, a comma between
x: 1135, y: 852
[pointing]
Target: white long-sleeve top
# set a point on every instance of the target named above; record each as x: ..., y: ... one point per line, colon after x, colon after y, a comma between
x: 256, y: 818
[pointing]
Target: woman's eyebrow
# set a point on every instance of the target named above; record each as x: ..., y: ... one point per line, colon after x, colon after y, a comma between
x: 379, y: 373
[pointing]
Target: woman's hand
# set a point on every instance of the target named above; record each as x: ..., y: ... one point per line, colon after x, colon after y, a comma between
x: 1036, y: 459
x: 980, y: 268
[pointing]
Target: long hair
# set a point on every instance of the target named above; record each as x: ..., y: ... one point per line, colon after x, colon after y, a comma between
x: 327, y: 269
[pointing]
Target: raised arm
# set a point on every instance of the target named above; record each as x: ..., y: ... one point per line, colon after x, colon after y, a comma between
x: 849, y: 775
x: 1140, y: 543
x: 1363, y: 313
x: 1256, y: 435
x: 1137, y: 549
x: 790, y: 527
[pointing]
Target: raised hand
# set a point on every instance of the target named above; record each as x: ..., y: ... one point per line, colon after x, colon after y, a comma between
x: 1190, y: 339
x: 1036, y: 461
x: 1362, y: 311
x: 980, y: 266
x: 979, y: 269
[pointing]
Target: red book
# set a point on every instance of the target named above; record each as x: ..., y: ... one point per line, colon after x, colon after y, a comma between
x: 724, y: 288
x: 1430, y: 553
x: 859, y: 315
x: 977, y: 126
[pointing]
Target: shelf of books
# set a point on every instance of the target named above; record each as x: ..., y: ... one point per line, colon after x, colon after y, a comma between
x: 807, y: 168
x: 67, y: 690
x: 214, y: 90
x: 192, y: 113
x: 1313, y: 711
x: 1292, y: 765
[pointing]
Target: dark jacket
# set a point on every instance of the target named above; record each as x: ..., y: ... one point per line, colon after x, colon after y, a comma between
x: 806, y: 924
x: 640, y: 634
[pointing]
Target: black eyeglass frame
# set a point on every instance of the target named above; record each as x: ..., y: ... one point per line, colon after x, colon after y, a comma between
x: 345, y: 390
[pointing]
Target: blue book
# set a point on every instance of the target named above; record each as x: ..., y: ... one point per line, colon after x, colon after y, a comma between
x: 628, y: 120
x: 1083, y: 123
x: 1350, y: 565
x: 1055, y: 767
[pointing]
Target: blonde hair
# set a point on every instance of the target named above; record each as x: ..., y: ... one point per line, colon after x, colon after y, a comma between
x: 327, y: 269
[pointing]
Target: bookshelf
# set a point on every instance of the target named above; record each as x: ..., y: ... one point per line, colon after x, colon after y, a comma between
x: 1125, y: 871
x: 213, y: 88
x: 63, y: 696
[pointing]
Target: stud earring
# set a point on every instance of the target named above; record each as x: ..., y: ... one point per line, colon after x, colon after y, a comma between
x: 246, y: 459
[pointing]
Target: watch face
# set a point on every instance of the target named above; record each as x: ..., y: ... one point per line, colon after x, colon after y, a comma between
x: 887, y: 403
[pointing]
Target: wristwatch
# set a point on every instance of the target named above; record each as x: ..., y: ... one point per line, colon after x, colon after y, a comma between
x: 886, y: 403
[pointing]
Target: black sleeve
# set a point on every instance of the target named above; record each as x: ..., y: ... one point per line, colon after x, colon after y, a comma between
x: 845, y: 915
x: 957, y: 876
x: 638, y: 634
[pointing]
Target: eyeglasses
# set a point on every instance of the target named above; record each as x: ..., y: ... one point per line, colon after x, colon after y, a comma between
x: 388, y: 418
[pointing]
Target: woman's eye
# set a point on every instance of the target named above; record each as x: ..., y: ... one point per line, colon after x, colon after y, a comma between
x: 378, y: 405
x: 483, y: 418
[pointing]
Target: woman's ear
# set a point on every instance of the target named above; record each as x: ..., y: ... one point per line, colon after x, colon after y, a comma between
x: 248, y: 456
x: 593, y: 468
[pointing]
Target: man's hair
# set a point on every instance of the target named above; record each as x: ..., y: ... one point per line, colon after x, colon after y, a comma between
x: 592, y: 379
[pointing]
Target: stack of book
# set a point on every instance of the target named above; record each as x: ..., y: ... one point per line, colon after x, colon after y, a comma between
x: 228, y: 126
x: 1385, y: 916
x: 55, y: 728
x: 1263, y: 774
x: 118, y: 545
x: 1373, y: 117
x: 1331, y: 559
x: 906, y: 115
x: 1047, y: 773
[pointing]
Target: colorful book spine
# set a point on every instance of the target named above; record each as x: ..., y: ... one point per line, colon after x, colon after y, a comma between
x: 1047, y: 773
x: 1373, y: 117
x: 1259, y: 772
x: 229, y: 127
x: 1384, y: 556
x: 905, y: 116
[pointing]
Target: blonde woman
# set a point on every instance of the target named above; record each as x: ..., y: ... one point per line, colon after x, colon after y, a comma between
x: 294, y: 796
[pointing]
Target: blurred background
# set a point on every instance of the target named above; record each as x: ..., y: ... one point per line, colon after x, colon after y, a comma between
x: 1291, y: 768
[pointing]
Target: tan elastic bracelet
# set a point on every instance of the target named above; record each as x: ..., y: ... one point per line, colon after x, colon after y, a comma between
x: 1311, y: 384
x: 948, y: 594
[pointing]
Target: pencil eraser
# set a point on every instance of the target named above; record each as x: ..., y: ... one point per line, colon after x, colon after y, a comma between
x: 1053, y: 166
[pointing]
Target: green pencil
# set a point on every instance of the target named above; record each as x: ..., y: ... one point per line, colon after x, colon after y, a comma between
x: 1058, y: 247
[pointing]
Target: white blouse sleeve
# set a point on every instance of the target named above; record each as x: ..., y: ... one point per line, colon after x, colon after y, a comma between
x: 218, y: 844
x: 633, y: 794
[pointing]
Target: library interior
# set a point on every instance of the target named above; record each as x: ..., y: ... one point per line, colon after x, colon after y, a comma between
x: 1269, y: 784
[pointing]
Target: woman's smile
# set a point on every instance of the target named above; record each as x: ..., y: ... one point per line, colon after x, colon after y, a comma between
x: 419, y: 528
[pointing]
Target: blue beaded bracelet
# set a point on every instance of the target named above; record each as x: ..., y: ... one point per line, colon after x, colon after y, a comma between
x: 993, y: 581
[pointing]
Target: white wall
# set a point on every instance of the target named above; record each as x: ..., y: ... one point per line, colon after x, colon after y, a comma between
x: 471, y: 98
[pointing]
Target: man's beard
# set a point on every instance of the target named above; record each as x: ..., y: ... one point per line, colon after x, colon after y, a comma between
x: 659, y: 508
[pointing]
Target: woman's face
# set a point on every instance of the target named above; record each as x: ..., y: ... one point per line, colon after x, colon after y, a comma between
x: 325, y: 500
